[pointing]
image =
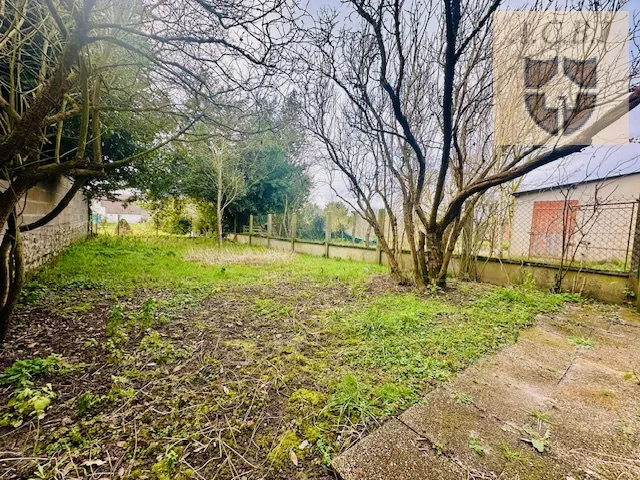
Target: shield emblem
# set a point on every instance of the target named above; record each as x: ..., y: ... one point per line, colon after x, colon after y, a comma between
x: 570, y: 118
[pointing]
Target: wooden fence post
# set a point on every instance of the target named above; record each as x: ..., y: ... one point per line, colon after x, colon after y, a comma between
x: 269, y: 227
x: 250, y: 228
x: 294, y: 228
x: 381, y: 225
x: 327, y: 234
x: 353, y: 227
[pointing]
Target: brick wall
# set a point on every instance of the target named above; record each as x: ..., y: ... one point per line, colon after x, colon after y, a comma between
x: 70, y: 225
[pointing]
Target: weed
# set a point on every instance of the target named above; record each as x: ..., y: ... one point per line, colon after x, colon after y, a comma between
x: 633, y: 375
x: 390, y: 397
x: 397, y: 314
x: 116, y: 393
x: 528, y: 282
x: 439, y: 448
x: 125, y: 263
x: 571, y: 297
x: 412, y: 339
x: 540, y: 441
x: 272, y: 308
x: 161, y: 351
x: 115, y: 325
x: 355, y: 399
x: 304, y: 401
x: 88, y: 401
x: 461, y: 398
x: 326, y: 451
x: 40, y: 473
x: 27, y: 402
x: 511, y: 455
x: 166, y: 464
x: 581, y: 341
x: 354, y: 360
x: 147, y: 314
x: 22, y: 372
x: 280, y: 455
x: 475, y: 445
x: 432, y: 288
x: 351, y: 400
x: 77, y: 309
x: 32, y: 291
x: 540, y: 416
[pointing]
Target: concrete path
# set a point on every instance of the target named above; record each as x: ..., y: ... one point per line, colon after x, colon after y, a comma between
x: 477, y: 426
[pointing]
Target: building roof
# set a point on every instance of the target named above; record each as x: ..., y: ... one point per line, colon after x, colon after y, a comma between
x: 594, y: 163
x: 118, y: 207
x: 572, y: 184
x: 591, y: 165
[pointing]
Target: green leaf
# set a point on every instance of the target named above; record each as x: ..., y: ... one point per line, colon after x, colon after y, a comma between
x: 538, y: 444
x: 39, y: 404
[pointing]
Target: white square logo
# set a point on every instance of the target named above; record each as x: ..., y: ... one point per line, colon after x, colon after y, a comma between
x: 556, y: 74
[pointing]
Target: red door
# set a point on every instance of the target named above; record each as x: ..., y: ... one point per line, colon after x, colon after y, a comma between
x: 552, y: 226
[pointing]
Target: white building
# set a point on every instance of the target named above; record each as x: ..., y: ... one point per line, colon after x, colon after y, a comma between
x: 120, y: 209
x: 589, y: 221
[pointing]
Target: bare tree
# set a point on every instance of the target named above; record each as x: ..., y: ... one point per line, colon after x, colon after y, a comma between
x: 417, y: 77
x: 357, y: 155
x: 229, y: 180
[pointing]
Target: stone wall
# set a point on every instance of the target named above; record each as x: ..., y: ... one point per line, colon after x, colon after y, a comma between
x: 44, y: 243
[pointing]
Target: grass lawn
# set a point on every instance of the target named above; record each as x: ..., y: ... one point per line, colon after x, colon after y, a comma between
x: 165, y: 358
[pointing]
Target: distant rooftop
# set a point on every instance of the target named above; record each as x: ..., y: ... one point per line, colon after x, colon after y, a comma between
x: 118, y: 207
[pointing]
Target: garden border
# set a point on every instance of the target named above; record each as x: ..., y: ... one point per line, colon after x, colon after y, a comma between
x: 606, y: 286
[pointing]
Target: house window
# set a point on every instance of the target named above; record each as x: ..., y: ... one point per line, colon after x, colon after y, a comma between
x: 552, y: 227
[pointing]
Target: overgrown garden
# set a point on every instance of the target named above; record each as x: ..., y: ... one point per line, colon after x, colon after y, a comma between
x: 169, y: 358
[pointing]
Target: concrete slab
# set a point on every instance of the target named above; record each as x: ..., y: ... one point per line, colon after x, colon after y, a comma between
x: 394, y: 451
x: 544, y: 382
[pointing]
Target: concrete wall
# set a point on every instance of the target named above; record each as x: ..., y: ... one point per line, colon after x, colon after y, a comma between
x: 70, y: 225
x: 611, y: 287
x: 601, y: 234
x: 605, y: 286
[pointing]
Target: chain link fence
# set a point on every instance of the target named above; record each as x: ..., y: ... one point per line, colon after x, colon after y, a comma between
x: 310, y: 225
x: 558, y: 232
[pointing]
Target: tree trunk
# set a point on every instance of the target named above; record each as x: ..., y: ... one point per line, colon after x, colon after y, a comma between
x: 467, y: 255
x: 422, y: 259
x: 11, y: 274
x: 353, y: 228
x: 9, y: 198
x: 435, y: 258
x: 219, y: 204
x: 411, y: 239
x: 394, y: 266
